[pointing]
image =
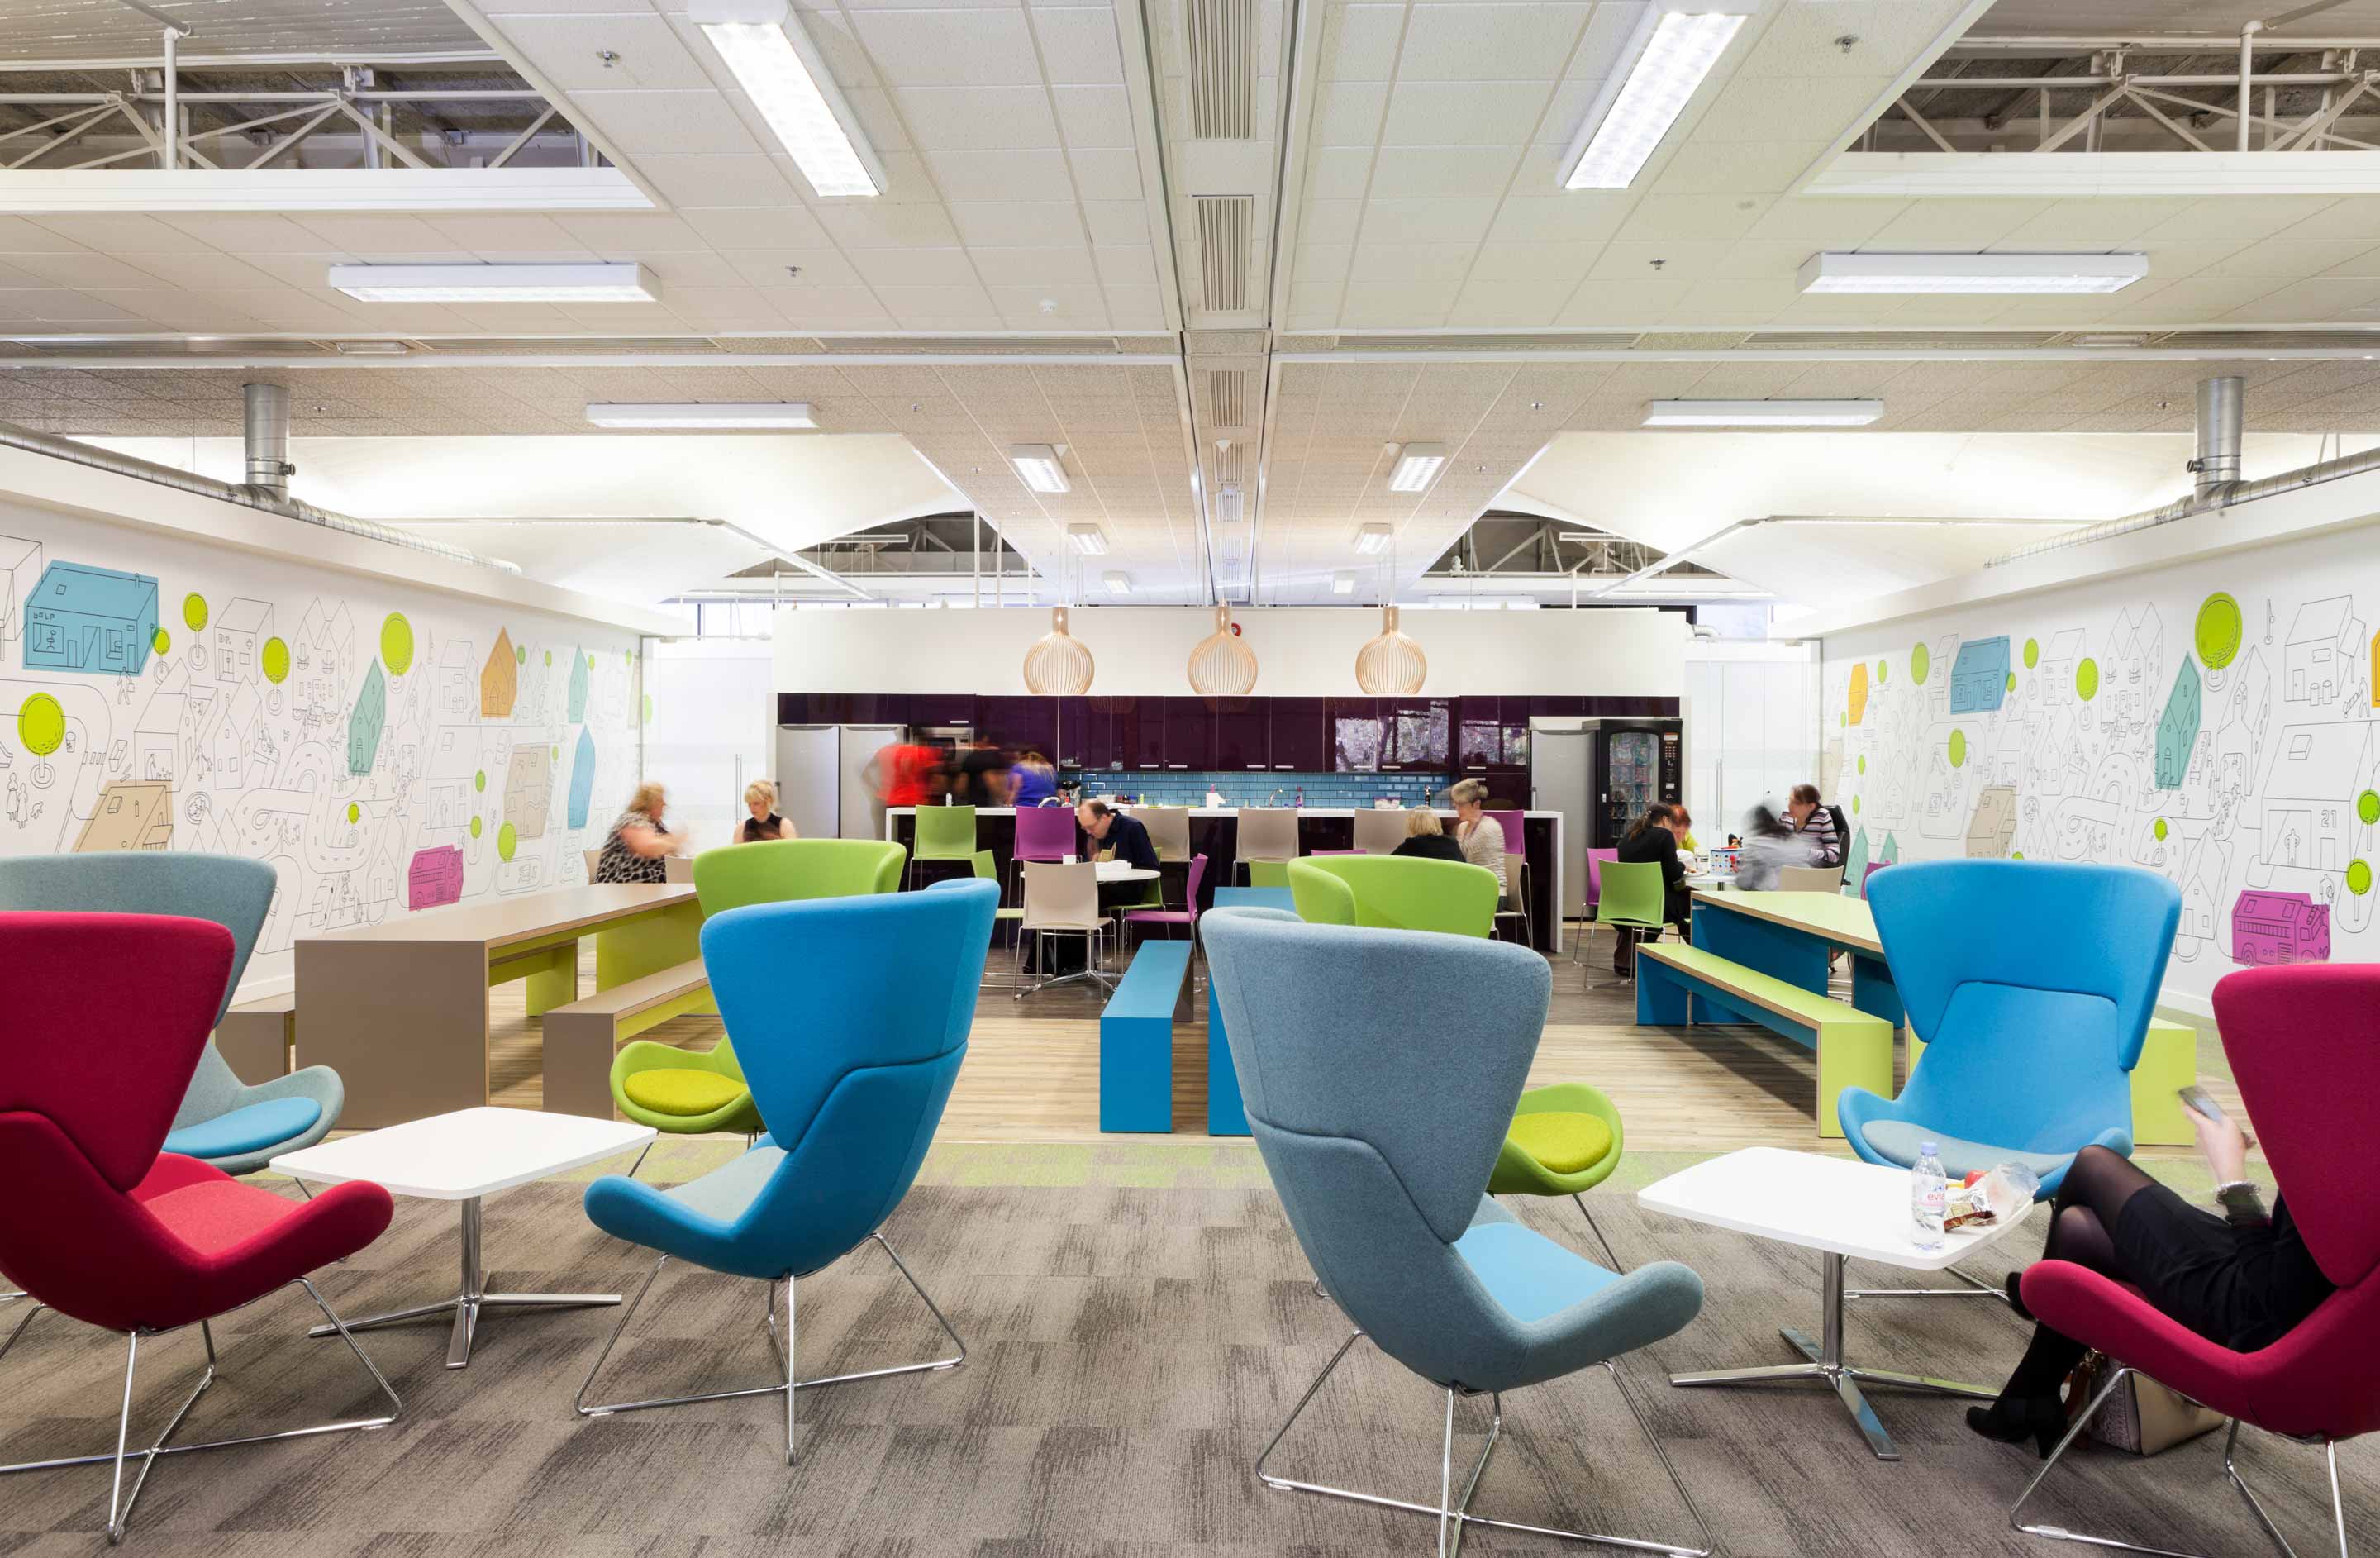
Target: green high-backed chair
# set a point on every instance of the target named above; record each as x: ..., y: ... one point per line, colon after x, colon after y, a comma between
x: 985, y: 870
x: 945, y: 832
x: 687, y: 1093
x: 1565, y: 1140
x: 1396, y: 893
x: 1266, y: 873
x: 1634, y: 897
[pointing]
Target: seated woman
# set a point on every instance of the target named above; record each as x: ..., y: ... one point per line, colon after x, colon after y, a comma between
x: 1482, y: 836
x: 2242, y: 1280
x: 1426, y: 837
x: 1769, y: 848
x: 1652, y: 839
x: 760, y: 800
x: 639, y: 846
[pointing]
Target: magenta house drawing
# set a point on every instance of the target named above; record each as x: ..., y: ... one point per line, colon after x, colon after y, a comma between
x: 434, y: 877
x: 2276, y: 927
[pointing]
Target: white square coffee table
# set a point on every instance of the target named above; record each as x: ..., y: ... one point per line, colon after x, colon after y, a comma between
x: 1845, y: 1210
x: 466, y: 1156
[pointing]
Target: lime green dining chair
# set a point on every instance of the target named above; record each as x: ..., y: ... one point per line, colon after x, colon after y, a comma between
x: 687, y: 1093
x: 1266, y: 873
x: 985, y: 870
x: 1632, y: 900
x: 945, y: 832
x: 1395, y: 892
x: 1565, y: 1140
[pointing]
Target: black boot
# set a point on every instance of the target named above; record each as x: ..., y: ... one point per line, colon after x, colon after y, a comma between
x: 2011, y: 1420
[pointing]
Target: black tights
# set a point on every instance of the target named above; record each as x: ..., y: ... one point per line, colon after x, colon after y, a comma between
x: 2082, y: 1229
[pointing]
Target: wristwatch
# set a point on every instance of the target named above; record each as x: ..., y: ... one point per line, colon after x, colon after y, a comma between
x: 2239, y: 1194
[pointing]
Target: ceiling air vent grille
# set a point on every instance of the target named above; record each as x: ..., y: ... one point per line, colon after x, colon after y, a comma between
x: 1223, y: 223
x: 1222, y: 69
x: 1227, y: 397
x: 1229, y: 462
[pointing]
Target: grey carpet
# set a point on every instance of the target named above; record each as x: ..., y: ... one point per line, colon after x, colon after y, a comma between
x: 1131, y: 1349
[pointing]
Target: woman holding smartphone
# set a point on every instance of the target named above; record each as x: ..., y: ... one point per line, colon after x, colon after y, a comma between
x: 2239, y: 1276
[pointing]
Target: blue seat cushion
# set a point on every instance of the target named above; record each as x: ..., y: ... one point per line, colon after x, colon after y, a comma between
x: 727, y: 1192
x: 1898, y: 1141
x: 250, y: 1128
x: 1527, y: 1275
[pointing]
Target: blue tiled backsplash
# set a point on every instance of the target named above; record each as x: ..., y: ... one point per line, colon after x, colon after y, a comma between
x: 1171, y: 787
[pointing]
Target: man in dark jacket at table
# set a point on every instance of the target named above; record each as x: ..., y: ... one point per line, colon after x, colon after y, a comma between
x: 1114, y: 834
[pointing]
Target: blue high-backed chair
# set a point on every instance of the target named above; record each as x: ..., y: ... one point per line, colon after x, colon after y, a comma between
x: 851, y: 1017
x: 2031, y: 985
x: 223, y: 1121
x: 1379, y: 1138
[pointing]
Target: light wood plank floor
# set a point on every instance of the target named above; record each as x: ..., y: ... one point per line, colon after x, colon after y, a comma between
x: 1032, y: 1068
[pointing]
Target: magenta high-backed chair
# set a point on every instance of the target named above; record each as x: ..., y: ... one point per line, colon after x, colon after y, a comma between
x: 1135, y: 918
x: 105, y: 1018
x: 1043, y: 833
x: 1873, y: 867
x: 2304, y: 1044
x: 1595, y: 860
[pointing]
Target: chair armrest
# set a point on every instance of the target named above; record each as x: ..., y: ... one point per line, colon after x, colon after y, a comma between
x: 2105, y: 1314
x: 643, y: 1054
x: 318, y: 1083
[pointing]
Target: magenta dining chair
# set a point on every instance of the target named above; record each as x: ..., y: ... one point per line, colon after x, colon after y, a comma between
x: 1135, y: 918
x: 1595, y: 860
x: 1044, y: 834
x: 1873, y: 867
x: 2298, y: 1037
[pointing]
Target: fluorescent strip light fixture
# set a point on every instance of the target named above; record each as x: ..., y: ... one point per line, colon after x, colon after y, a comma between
x: 497, y: 284
x: 1417, y: 466
x: 1674, y: 50
x: 1762, y: 413
x: 1372, y: 539
x: 698, y: 414
x: 1088, y: 540
x: 1973, y: 272
x: 782, y: 71
x: 1342, y: 584
x: 1037, y: 466
x: 1118, y: 584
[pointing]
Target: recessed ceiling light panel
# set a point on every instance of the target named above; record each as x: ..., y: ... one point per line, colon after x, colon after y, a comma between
x: 1971, y: 273
x: 1372, y: 539
x: 1762, y: 413
x: 1088, y: 540
x: 1418, y: 466
x: 1037, y: 467
x: 782, y: 71
x: 508, y: 284
x: 699, y: 414
x: 1117, y: 583
x: 1342, y: 584
x: 1674, y: 48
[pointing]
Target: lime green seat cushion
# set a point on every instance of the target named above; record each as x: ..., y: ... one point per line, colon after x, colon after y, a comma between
x: 681, y: 1090
x: 1561, y: 1141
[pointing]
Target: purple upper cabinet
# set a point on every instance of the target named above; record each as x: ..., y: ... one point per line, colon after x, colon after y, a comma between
x: 1299, y: 731
x: 1025, y: 724
x: 1189, y: 733
x: 1478, y: 734
x: 1243, y: 735
x: 1074, y: 733
x: 1358, y: 735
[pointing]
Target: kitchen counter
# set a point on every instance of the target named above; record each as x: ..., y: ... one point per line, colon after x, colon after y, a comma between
x: 892, y: 811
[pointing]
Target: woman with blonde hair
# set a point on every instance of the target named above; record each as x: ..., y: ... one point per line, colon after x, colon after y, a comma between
x: 1482, y: 836
x: 640, y: 844
x: 1426, y: 838
x: 760, y: 800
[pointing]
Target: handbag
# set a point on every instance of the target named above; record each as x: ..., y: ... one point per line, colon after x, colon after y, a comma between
x: 2143, y: 1416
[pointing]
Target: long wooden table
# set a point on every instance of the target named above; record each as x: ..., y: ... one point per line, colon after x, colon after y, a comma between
x: 1790, y: 935
x: 400, y: 1009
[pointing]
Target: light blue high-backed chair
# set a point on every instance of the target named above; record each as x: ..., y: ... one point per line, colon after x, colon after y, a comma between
x: 223, y: 1121
x: 1379, y: 1140
x: 851, y: 1019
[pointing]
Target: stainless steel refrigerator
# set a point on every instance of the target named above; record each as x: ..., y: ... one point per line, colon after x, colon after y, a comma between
x: 820, y: 783
x: 1561, y: 774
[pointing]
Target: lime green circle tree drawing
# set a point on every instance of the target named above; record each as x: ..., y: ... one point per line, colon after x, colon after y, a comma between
x: 2367, y: 805
x: 194, y: 612
x: 648, y: 708
x: 520, y: 655
x: 479, y: 780
x: 161, y: 640
x: 1879, y: 672
x: 2012, y: 681
x: 475, y: 827
x: 2217, y: 631
x: 397, y: 643
x: 2359, y: 877
x: 590, y: 663
x: 2086, y: 680
x: 507, y: 841
x: 1958, y: 749
x: 1855, y: 806
x: 41, y: 724
x: 355, y: 813
x: 276, y: 661
x: 2162, y: 830
x: 1920, y: 663
x: 1863, y: 766
x: 549, y: 657
x: 2032, y: 653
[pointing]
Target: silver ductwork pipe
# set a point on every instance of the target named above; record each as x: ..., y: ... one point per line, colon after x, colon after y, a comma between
x: 56, y: 448
x: 2222, y: 408
x: 2220, y: 411
x: 267, y: 425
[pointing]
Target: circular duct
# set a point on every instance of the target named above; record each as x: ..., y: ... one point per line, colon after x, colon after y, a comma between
x: 1392, y: 664
x: 1221, y: 665
x: 1058, y: 665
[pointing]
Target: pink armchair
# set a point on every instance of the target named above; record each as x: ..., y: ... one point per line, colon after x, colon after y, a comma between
x: 2304, y: 1043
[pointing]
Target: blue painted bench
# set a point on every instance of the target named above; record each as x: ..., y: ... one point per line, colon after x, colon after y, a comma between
x: 1136, y: 1040
x: 1854, y: 1047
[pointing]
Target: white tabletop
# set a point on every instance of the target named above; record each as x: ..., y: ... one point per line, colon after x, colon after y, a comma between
x: 470, y: 1152
x: 1123, y: 871
x: 1838, y: 1204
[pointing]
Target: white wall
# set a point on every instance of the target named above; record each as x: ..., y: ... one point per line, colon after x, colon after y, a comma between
x: 2133, y: 726
x: 713, y: 728
x: 1751, y: 728
x: 1301, y: 652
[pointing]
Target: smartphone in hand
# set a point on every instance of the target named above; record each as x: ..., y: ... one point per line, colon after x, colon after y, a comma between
x: 2197, y: 1100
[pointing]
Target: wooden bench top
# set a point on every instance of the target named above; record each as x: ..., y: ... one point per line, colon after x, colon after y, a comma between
x: 637, y: 995
x: 267, y: 1005
x: 1791, y: 1001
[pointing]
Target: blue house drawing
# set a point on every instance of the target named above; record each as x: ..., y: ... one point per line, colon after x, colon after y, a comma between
x: 1979, y: 676
x: 92, y: 620
x: 582, y: 774
x: 364, y: 721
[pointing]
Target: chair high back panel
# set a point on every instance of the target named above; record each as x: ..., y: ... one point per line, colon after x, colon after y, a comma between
x: 2043, y: 1016
x: 1633, y: 894
x: 1595, y: 860
x: 232, y: 890
x: 1044, y: 833
x: 1169, y: 830
x: 1396, y: 893
x: 1060, y: 894
x: 1808, y: 879
x: 945, y: 832
x: 787, y: 869
x: 1267, y: 833
x: 1379, y: 832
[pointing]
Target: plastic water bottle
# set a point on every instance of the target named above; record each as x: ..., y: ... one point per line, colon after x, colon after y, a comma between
x: 1928, y: 1191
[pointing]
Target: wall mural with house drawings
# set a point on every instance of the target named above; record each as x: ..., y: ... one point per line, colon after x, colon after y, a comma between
x: 387, y: 753
x: 2218, y: 725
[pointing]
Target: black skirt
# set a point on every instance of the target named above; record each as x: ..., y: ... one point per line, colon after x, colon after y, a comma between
x: 2243, y: 1287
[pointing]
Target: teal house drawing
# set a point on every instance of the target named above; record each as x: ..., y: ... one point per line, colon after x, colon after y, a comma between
x: 92, y: 620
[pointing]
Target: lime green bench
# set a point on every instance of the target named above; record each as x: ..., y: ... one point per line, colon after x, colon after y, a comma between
x: 2168, y: 1062
x: 1855, y: 1049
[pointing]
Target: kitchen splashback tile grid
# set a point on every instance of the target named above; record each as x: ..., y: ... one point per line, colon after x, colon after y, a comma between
x: 1243, y: 788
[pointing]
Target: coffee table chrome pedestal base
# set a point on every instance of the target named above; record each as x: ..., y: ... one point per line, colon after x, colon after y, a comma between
x: 1825, y: 1366
x: 466, y: 1306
